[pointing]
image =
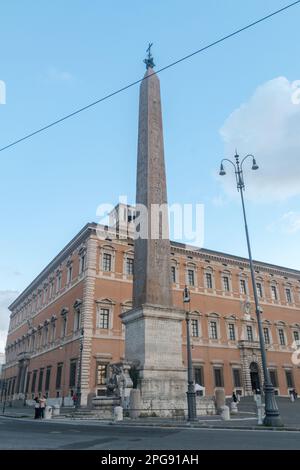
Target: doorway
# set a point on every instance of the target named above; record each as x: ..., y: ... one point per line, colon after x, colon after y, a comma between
x: 254, y: 375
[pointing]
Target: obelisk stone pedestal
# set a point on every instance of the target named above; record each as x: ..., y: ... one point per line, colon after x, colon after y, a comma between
x: 153, y: 341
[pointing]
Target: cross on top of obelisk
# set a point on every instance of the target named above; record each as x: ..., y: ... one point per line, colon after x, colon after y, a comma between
x: 149, y: 59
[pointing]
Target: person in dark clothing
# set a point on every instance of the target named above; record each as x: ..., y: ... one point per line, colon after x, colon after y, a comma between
x: 37, y: 408
x: 234, y: 397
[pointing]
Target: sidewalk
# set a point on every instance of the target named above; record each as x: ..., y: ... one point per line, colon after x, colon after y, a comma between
x: 245, y: 419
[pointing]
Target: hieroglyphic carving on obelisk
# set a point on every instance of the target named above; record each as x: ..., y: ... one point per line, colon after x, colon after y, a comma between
x: 151, y: 281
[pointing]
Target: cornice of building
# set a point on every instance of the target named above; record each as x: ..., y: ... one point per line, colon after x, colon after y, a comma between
x: 53, y: 265
x: 227, y: 258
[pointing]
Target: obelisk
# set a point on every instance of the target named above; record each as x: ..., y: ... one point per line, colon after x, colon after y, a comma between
x: 153, y: 328
x: 152, y: 269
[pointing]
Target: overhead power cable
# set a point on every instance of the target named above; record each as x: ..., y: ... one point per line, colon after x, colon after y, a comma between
x: 172, y: 64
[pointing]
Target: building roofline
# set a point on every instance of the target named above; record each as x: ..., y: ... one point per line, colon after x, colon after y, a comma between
x: 81, y: 235
x: 234, y: 257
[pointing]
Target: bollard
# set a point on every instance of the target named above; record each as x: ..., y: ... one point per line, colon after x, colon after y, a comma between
x: 134, y: 403
x: 118, y: 413
x: 56, y: 410
x: 233, y: 408
x: 219, y: 399
x: 225, y: 415
x: 261, y: 414
x: 48, y: 412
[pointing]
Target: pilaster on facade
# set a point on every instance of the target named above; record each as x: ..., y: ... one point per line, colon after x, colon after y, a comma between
x: 88, y: 309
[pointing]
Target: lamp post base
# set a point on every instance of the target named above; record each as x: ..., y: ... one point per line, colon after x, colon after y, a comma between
x: 272, y: 417
x: 191, y: 401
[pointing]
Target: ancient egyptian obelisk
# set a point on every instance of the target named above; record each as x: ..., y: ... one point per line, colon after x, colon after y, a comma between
x: 153, y: 328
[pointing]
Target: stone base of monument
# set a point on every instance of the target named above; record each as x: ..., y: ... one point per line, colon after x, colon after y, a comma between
x: 162, y: 392
x: 103, y: 407
x: 205, y: 406
x: 153, y: 342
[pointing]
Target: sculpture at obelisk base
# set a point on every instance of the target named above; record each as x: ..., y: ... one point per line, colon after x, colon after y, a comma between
x: 153, y: 328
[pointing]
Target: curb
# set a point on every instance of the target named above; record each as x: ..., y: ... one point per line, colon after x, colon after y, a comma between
x: 162, y: 425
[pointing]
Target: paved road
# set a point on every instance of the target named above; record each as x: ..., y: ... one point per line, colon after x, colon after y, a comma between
x: 25, y: 434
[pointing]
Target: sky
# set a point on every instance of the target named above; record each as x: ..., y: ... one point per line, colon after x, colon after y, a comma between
x: 59, y: 56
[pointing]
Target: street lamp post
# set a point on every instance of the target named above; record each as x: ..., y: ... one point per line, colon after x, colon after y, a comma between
x: 191, y: 395
x: 272, y: 417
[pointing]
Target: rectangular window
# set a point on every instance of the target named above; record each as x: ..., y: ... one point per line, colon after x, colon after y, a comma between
x: 103, y: 318
x: 27, y: 382
x: 288, y: 296
x: 218, y: 375
x: 106, y: 262
x: 198, y: 375
x: 243, y: 286
x: 58, y: 282
x: 129, y: 266
x: 208, y: 278
x: 296, y: 335
x: 195, y: 328
x: 237, y: 378
x: 51, y: 290
x: 281, y: 337
x: 69, y: 274
x: 33, y: 383
x: 13, y: 386
x: 53, y: 331
x: 59, y: 375
x: 191, y: 277
x: 213, y: 330
x: 40, y: 384
x: 274, y: 292
x: 101, y: 374
x: 259, y: 289
x: 72, y: 377
x: 77, y: 319
x: 64, y: 325
x: 273, y: 377
x: 48, y: 377
x: 173, y: 274
x: 226, y: 283
x: 231, y: 331
x: 289, y: 379
x: 82, y: 263
x: 249, y: 333
x: 267, y: 335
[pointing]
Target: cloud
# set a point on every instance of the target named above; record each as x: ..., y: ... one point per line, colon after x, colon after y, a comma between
x: 288, y: 223
x: 267, y: 125
x: 58, y: 75
x: 6, y: 298
x: 218, y: 201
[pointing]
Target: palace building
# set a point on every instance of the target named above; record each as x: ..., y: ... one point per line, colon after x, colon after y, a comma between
x: 65, y: 328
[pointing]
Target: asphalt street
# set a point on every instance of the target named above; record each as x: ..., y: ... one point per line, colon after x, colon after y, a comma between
x: 28, y: 434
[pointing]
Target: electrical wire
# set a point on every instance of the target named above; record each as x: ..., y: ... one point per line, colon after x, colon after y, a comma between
x: 172, y: 64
